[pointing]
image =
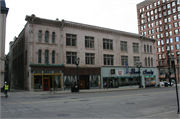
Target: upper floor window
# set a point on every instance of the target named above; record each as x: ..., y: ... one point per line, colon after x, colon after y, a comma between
x: 169, y: 19
x: 135, y: 47
x: 136, y: 59
x: 150, y: 49
x: 53, y: 37
x: 168, y: 5
x: 70, y: 57
x: 46, y: 36
x: 158, y: 2
x: 108, y: 44
x: 177, y: 46
x: 90, y: 58
x: 148, y: 61
x: 40, y: 36
x: 144, y: 48
x: 123, y: 45
x: 174, y: 10
x: 173, y: 4
x: 150, y: 6
x: 174, y: 17
x: 53, y: 57
x: 152, y: 62
x: 39, y: 56
x: 177, y: 39
x: 89, y: 42
x: 170, y: 33
x: 123, y: 60
x: 167, y: 41
x: 171, y: 40
x: 108, y: 60
x: 46, y: 56
x: 155, y: 4
x: 71, y: 40
x: 147, y: 7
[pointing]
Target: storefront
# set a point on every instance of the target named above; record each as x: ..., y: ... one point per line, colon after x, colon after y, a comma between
x: 45, y: 76
x: 117, y: 77
x: 88, y: 77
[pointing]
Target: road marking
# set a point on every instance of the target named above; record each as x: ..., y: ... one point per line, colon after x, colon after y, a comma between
x: 70, y: 100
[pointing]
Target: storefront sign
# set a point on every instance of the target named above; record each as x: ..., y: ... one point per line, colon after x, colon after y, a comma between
x: 119, y: 72
x: 148, y: 72
x: 134, y: 72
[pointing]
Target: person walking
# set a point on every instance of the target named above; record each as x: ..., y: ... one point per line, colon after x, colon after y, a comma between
x: 6, y: 88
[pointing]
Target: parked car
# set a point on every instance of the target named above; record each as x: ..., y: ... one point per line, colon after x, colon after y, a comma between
x: 169, y: 83
x: 161, y: 83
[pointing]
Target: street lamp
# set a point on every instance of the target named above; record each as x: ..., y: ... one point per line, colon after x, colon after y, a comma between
x: 139, y: 65
x: 77, y: 63
x: 169, y: 76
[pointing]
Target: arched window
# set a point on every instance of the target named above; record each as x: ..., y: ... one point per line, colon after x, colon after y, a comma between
x: 40, y: 36
x: 150, y: 49
x: 146, y: 62
x: 46, y: 56
x: 53, y: 57
x: 53, y: 37
x: 149, y: 62
x: 152, y: 62
x: 46, y: 36
x: 144, y: 48
x: 39, y: 56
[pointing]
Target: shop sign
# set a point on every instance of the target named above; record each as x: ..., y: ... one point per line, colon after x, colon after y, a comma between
x: 148, y: 72
x: 119, y: 72
x: 133, y: 71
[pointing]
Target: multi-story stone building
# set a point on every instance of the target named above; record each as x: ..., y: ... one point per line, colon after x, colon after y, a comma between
x: 43, y: 55
x: 160, y: 19
x: 3, y: 15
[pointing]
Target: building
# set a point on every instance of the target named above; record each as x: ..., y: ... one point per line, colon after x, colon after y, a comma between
x: 160, y: 19
x: 43, y: 55
x: 3, y: 15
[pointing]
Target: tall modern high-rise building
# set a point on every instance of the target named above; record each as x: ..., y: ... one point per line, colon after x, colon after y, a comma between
x: 160, y: 19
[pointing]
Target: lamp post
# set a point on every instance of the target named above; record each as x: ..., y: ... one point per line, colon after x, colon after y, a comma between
x: 169, y: 76
x: 139, y: 65
x: 77, y: 63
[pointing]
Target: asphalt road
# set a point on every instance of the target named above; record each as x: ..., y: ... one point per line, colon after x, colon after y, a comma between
x: 143, y: 103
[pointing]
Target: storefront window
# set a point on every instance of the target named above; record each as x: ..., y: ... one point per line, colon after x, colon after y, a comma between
x: 94, y: 80
x: 57, y: 82
x: 68, y: 81
x: 37, y: 82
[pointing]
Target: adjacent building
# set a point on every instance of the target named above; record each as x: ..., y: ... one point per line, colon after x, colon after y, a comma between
x: 43, y: 56
x: 3, y: 15
x: 160, y: 19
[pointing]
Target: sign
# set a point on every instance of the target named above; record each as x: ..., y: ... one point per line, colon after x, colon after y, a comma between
x: 127, y: 70
x: 133, y: 71
x: 112, y: 71
x: 119, y: 72
x: 148, y: 72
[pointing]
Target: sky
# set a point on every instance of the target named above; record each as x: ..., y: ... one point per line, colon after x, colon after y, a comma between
x: 114, y: 14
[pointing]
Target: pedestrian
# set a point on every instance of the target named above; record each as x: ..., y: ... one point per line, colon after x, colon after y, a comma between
x: 6, y: 88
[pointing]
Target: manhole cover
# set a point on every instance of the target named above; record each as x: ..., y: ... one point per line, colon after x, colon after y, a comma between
x: 130, y: 103
x: 63, y: 115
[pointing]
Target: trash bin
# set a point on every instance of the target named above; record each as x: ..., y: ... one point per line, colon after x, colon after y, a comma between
x: 166, y: 84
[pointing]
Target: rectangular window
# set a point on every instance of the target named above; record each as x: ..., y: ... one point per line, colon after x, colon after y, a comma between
x: 174, y: 17
x: 53, y: 57
x: 162, y: 42
x: 165, y: 27
x: 123, y: 45
x: 46, y: 56
x: 71, y: 40
x: 167, y: 47
x: 123, y: 60
x: 159, y: 49
x: 70, y: 57
x: 169, y: 26
x: 162, y: 49
x: 90, y: 58
x: 135, y: 47
x: 170, y: 33
x: 40, y: 36
x: 53, y: 37
x: 168, y: 5
x: 169, y: 12
x: 171, y: 47
x: 136, y: 59
x: 39, y: 56
x: 108, y: 60
x: 108, y: 44
x: 166, y: 34
x: 174, y: 10
x: 157, y: 36
x: 89, y: 42
x: 158, y: 43
x: 177, y: 46
x: 157, y: 30
x: 171, y: 40
x: 175, y: 24
x: 177, y: 39
x: 176, y: 31
x: 169, y: 19
x: 159, y: 56
x: 167, y: 41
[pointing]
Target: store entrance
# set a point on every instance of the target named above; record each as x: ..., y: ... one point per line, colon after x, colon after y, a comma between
x: 46, y: 84
x: 84, y: 82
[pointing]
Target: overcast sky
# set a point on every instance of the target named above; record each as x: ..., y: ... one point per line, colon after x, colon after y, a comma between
x: 113, y: 14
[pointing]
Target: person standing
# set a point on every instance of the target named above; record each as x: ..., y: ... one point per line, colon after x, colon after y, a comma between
x: 6, y: 88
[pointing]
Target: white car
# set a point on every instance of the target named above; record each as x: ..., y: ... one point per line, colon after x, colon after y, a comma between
x: 169, y: 83
x: 161, y: 83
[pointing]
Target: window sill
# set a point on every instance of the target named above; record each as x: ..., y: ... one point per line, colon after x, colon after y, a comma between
x: 46, y: 43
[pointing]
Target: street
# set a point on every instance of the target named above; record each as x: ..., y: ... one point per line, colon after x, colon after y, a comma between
x: 141, y: 103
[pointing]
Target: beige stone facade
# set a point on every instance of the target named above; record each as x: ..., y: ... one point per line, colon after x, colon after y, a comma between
x: 36, y: 48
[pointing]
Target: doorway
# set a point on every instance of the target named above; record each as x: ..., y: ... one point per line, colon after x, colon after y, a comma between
x: 84, y: 82
x: 46, y: 84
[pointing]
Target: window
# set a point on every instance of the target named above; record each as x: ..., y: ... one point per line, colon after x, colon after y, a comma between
x: 178, y: 16
x: 71, y: 40
x: 136, y: 59
x: 160, y: 15
x: 150, y: 6
x: 151, y: 24
x: 170, y: 33
x: 162, y: 49
x: 169, y: 26
x: 159, y: 56
x: 176, y: 32
x: 168, y: 5
x: 165, y: 20
x: 164, y: 13
x: 123, y: 45
x: 171, y: 47
x: 40, y: 36
x: 167, y: 47
x: 142, y: 15
x: 147, y: 7
x: 152, y: 30
x: 149, y: 31
x: 163, y: 56
x: 174, y: 10
x: 53, y: 57
x: 147, y: 13
x: 46, y: 56
x: 46, y: 36
x: 164, y: 7
x: 148, y: 19
x: 162, y: 42
x: 158, y: 2
x: 178, y: 54
x: 53, y: 37
x: 173, y: 4
x: 174, y: 17
x: 165, y: 27
x: 160, y: 22
x: 177, y: 46
x: 166, y: 34
x: 161, y: 35
x: 171, y: 40
x: 159, y: 49
x: 151, y: 12
x: 135, y: 47
x: 177, y: 39
x: 152, y: 36
x: 158, y: 43
x: 157, y: 36
x: 39, y: 56
x: 159, y: 62
x: 144, y: 32
x: 140, y: 10
x: 157, y: 30
x: 167, y: 41
x: 152, y: 62
x: 108, y: 44
x: 108, y: 60
x: 179, y: 8
x: 163, y: 1
x: 148, y: 61
x: 90, y: 58
x: 144, y: 48
x: 150, y: 49
x: 155, y: 11
x: 143, y: 9
x: 178, y: 2
x: 169, y: 19
x: 156, y: 16
x: 141, y: 28
x: 152, y: 18
x: 70, y: 57
x: 160, y: 28
x: 155, y: 4
x: 144, y: 27
x: 159, y: 9
x: 178, y: 23
x: 169, y: 12
x: 123, y: 60
x: 89, y: 42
